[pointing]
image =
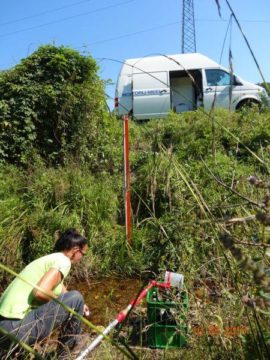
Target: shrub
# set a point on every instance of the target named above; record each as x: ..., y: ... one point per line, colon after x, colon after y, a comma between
x: 50, y: 106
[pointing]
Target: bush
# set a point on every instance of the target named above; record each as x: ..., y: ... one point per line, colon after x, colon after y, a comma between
x: 50, y: 106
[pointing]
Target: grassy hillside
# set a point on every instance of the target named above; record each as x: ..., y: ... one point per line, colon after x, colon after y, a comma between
x: 200, y: 200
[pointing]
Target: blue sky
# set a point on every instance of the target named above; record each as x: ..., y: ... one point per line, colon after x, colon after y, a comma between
x: 122, y: 29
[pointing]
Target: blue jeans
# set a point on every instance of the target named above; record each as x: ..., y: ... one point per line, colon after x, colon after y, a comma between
x: 40, y: 322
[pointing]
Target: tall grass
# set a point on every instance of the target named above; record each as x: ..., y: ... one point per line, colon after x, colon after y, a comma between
x: 187, y: 183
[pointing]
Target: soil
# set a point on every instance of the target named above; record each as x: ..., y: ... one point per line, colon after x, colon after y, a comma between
x: 107, y: 297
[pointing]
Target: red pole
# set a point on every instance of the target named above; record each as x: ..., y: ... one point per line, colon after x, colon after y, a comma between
x: 127, y: 180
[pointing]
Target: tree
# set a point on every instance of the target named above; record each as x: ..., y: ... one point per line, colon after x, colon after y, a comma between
x: 49, y: 105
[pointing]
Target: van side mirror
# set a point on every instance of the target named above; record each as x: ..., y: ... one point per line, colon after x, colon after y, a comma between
x: 236, y: 81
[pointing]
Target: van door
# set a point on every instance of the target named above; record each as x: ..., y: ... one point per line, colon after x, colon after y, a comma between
x: 216, y: 89
x: 151, y: 95
x: 183, y: 97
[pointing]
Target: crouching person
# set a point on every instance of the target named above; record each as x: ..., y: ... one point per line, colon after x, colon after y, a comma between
x: 29, y: 314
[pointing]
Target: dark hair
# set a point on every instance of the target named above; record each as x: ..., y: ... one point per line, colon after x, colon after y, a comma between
x: 69, y: 239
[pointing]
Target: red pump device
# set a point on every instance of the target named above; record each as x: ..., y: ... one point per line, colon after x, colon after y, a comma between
x: 171, y: 280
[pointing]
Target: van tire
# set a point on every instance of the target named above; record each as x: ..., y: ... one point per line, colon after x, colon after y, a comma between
x: 247, y: 104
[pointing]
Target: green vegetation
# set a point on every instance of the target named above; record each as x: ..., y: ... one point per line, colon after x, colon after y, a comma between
x: 50, y: 106
x: 200, y: 194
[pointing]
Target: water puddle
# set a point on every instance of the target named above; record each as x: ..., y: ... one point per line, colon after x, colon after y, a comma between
x: 106, y: 297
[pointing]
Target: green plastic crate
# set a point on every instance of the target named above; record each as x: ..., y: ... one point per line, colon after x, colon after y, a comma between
x: 166, y: 331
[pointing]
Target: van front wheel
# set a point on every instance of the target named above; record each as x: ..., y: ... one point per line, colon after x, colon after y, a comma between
x: 247, y: 104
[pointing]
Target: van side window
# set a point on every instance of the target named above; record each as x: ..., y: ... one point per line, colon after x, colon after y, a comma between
x: 217, y: 77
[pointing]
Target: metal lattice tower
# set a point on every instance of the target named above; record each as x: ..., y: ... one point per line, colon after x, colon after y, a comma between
x: 188, y: 28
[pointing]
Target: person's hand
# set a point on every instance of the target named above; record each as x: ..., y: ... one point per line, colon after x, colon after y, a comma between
x: 86, y: 311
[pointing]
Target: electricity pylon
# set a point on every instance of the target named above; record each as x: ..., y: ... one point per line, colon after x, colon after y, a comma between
x: 188, y: 27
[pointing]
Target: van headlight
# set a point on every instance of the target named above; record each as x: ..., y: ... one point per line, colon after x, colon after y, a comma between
x: 264, y: 92
x: 264, y: 97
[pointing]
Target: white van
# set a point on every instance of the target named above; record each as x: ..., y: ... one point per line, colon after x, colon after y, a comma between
x: 150, y: 87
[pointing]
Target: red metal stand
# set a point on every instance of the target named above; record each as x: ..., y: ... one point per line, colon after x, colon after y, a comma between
x: 127, y: 180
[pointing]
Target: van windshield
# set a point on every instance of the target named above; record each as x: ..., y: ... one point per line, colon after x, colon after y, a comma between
x: 217, y: 77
